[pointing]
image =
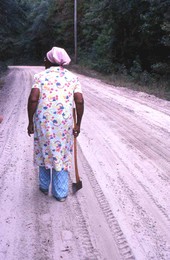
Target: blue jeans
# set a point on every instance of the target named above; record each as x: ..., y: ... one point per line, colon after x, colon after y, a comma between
x: 59, y: 181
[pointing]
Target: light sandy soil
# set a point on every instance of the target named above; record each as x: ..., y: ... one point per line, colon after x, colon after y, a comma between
x: 123, y: 210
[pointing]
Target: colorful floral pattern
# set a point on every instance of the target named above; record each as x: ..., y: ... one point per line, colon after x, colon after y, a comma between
x: 53, y: 122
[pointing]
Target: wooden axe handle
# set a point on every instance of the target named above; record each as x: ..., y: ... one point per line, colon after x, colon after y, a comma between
x: 75, y: 149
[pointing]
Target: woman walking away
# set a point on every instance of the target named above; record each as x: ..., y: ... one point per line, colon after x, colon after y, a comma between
x: 50, y: 113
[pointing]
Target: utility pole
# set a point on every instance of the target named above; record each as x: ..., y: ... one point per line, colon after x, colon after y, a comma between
x: 75, y: 30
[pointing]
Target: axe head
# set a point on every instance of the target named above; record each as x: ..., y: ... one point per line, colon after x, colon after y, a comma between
x: 77, y: 186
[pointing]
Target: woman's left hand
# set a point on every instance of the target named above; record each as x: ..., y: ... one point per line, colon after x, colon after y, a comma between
x: 76, y: 131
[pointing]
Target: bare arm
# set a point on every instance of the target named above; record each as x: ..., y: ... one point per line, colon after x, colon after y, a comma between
x: 79, y: 101
x: 32, y: 106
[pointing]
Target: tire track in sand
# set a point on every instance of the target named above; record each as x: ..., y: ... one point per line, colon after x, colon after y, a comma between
x: 118, y: 239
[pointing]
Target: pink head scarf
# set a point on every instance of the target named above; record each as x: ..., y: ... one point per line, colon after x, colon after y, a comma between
x: 59, y: 56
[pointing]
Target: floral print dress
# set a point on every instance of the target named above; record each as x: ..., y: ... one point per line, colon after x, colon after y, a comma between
x: 53, y: 119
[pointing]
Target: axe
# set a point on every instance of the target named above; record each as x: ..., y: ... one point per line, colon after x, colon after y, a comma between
x: 78, y: 185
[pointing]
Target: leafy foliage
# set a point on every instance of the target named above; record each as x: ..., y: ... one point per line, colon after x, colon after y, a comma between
x: 12, y: 19
x: 130, y: 37
x: 127, y: 32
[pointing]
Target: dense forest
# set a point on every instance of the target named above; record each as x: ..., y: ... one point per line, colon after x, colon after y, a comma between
x: 131, y: 37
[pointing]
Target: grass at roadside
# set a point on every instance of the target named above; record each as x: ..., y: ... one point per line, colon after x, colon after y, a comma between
x: 3, y: 71
x: 2, y: 79
x: 159, y: 89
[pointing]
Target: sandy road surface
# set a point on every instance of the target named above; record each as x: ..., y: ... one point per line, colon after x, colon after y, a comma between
x: 123, y: 210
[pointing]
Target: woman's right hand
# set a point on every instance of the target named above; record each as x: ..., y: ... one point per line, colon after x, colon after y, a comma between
x: 30, y: 129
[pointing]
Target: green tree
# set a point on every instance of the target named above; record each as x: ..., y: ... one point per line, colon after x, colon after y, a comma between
x: 12, y: 19
x: 124, y: 33
x: 50, y: 24
x: 131, y: 36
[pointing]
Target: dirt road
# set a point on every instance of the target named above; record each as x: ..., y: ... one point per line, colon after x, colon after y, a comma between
x: 123, y: 210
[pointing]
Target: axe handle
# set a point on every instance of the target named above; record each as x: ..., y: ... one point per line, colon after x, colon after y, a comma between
x: 75, y: 149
